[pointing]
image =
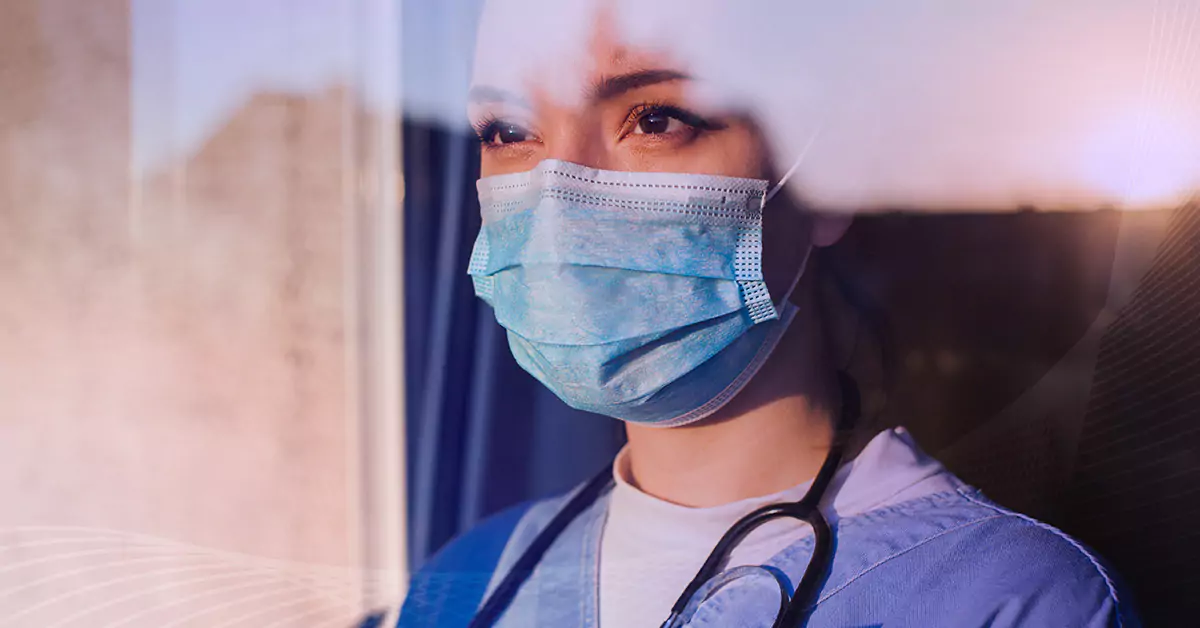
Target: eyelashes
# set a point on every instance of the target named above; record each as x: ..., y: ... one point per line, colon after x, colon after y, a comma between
x: 483, y: 127
x: 650, y: 121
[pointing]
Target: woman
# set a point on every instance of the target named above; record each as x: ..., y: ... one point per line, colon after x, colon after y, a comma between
x: 637, y: 251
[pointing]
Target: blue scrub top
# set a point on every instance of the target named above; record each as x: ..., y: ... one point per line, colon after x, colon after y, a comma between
x: 951, y: 559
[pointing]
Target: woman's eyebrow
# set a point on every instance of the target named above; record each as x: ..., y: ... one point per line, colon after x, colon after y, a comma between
x: 486, y: 94
x: 605, y: 88
x: 613, y: 86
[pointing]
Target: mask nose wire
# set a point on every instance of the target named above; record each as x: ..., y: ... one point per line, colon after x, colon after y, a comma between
x: 787, y: 175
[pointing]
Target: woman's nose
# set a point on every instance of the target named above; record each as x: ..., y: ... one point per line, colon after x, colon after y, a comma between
x: 579, y: 144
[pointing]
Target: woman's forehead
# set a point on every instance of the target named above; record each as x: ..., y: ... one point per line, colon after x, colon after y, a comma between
x: 560, y: 48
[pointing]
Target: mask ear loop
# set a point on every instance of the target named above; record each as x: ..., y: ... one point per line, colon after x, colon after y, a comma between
x: 787, y: 175
x: 787, y: 296
x: 779, y: 307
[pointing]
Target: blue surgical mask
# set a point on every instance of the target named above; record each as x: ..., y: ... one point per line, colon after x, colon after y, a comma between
x: 631, y: 294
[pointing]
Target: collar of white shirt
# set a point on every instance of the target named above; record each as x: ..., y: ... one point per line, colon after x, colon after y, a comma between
x: 891, y: 469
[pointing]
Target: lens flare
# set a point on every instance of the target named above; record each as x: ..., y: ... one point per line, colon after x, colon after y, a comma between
x: 1150, y: 158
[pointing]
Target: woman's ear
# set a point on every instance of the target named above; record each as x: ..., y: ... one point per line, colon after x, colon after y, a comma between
x: 827, y: 229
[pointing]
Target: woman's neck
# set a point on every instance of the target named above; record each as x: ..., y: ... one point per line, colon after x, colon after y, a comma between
x: 772, y: 436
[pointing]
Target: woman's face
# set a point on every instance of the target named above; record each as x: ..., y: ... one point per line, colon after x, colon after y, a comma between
x: 589, y: 99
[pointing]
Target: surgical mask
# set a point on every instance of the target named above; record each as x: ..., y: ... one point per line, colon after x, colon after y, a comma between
x: 635, y: 295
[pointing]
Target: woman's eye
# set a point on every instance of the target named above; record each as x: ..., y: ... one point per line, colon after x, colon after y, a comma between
x: 510, y: 134
x: 500, y: 133
x: 657, y: 123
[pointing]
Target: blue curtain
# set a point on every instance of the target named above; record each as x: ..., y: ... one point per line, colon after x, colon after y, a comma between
x: 482, y: 434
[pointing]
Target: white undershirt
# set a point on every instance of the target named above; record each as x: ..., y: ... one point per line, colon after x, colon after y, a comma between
x: 651, y: 548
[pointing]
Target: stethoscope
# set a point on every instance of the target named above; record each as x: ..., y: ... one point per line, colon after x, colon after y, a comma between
x: 791, y: 611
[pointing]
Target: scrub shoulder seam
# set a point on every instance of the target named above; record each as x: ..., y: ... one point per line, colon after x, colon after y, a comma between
x: 1112, y: 589
x: 902, y: 552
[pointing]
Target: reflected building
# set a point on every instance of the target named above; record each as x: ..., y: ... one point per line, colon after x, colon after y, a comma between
x: 176, y: 437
